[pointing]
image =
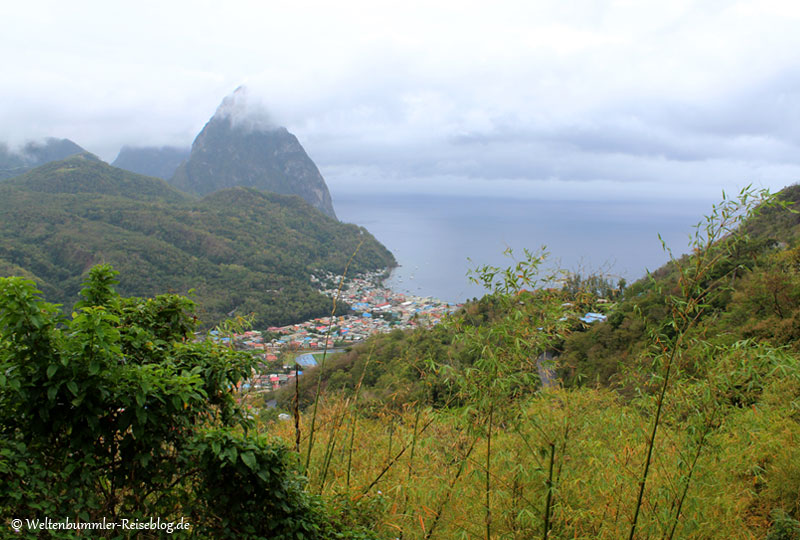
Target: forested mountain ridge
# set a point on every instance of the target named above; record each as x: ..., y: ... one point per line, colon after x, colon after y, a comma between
x: 241, y: 250
x: 86, y: 173
x: 34, y: 154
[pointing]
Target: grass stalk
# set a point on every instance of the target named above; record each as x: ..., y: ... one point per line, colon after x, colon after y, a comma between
x: 549, y: 500
x: 700, y: 445
x: 324, y: 356
x: 391, y: 462
x: 446, y: 499
x: 353, y: 414
x: 296, y: 408
x: 488, y: 486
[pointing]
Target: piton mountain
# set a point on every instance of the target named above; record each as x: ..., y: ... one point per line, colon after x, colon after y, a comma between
x: 238, y: 147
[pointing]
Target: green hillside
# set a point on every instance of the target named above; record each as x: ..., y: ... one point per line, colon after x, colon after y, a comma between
x: 677, y: 417
x: 241, y: 250
x: 86, y: 173
x: 758, y: 297
x: 33, y: 154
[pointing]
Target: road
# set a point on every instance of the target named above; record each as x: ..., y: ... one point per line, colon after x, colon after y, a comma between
x: 545, y: 365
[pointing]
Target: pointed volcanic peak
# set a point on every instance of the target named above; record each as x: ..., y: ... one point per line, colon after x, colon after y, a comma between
x: 241, y: 146
x: 33, y: 154
x: 158, y: 161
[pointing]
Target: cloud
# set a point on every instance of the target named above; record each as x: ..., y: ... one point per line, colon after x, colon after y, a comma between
x: 245, y: 111
x: 593, y: 98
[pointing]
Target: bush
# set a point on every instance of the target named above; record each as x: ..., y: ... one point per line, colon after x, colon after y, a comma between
x: 119, y: 412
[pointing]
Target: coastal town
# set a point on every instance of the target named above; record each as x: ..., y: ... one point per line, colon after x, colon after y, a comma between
x: 375, y: 309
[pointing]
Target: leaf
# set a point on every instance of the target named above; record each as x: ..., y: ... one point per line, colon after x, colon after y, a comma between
x: 51, y: 370
x: 72, y: 387
x: 249, y: 459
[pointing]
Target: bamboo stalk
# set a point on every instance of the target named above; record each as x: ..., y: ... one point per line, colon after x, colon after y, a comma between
x: 296, y: 408
x: 329, y: 448
x: 353, y: 417
x: 549, y: 499
x: 411, y: 459
x: 488, y: 488
x: 392, y: 462
x: 682, y: 321
x: 691, y: 472
x: 324, y: 356
x: 449, y: 493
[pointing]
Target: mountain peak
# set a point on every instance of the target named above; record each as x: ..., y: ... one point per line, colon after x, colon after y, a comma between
x: 245, y: 112
x: 241, y: 146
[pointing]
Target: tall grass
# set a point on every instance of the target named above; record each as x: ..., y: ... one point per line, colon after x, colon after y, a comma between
x: 325, y: 355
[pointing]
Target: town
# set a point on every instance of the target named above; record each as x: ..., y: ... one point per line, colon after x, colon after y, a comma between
x: 375, y: 309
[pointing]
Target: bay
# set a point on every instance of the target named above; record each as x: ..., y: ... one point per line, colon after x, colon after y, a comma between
x: 434, y: 237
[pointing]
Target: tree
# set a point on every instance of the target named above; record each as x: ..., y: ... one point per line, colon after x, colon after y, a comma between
x: 117, y: 412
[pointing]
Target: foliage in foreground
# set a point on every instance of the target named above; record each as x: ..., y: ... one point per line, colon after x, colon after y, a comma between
x: 748, y: 473
x: 116, y: 413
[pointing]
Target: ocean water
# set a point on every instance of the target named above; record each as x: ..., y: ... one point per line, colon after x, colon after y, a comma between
x: 435, y: 237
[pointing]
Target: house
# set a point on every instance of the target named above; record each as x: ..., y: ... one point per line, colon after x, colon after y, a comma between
x: 592, y: 317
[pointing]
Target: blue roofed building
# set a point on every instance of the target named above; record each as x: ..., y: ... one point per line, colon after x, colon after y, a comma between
x: 592, y: 317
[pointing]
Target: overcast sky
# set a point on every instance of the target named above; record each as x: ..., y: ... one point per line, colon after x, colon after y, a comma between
x: 578, y: 99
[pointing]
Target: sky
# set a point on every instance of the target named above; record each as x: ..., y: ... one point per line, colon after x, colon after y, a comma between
x: 557, y: 100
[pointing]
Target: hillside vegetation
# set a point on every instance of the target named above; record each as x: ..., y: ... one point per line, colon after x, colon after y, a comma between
x: 677, y: 418
x: 33, y: 154
x: 116, y: 414
x: 240, y: 250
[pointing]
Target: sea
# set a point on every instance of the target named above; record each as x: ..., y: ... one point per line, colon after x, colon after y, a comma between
x: 438, y: 239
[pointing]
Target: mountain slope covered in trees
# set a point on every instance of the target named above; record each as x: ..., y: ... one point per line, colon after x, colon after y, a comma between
x: 241, y: 250
x: 33, y: 154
